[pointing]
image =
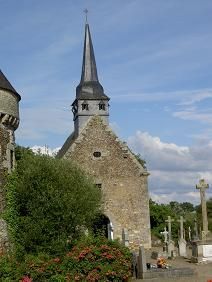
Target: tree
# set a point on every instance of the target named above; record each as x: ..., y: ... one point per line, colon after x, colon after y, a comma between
x: 209, y: 208
x: 158, y: 215
x: 140, y: 160
x: 49, y: 201
x: 209, y: 212
x: 160, y: 212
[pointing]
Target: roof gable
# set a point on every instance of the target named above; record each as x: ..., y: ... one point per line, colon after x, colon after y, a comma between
x: 94, y: 134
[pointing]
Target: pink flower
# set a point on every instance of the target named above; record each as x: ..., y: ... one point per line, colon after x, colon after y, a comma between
x: 26, y: 279
x: 57, y: 260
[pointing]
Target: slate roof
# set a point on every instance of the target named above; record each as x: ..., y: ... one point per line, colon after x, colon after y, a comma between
x: 89, y: 87
x: 5, y: 84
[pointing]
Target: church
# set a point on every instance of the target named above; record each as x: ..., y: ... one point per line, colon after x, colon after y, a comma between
x: 98, y: 151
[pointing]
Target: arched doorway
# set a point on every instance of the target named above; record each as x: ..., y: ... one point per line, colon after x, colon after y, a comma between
x: 103, y: 225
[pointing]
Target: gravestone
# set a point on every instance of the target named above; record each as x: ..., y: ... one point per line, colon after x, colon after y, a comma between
x: 165, y: 234
x: 171, y: 249
x: 165, y: 246
x: 141, y: 262
x: 202, y: 186
x: 182, y: 241
x: 170, y: 244
x: 202, y: 249
x: 196, y: 234
x: 189, y: 233
x: 125, y: 237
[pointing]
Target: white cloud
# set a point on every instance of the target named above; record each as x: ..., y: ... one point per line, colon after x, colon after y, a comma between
x: 195, y: 115
x: 175, y: 170
x: 197, y: 96
x: 182, y: 97
x: 45, y: 150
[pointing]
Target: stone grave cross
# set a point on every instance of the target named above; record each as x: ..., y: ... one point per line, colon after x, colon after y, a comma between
x: 189, y: 233
x: 202, y: 186
x: 169, y: 221
x: 181, y: 220
x: 165, y: 233
x: 196, y: 235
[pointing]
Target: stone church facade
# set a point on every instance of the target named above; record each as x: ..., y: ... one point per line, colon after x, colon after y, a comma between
x: 9, y: 121
x: 99, y: 152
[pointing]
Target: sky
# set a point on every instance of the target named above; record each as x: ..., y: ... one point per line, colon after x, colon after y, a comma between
x: 154, y: 61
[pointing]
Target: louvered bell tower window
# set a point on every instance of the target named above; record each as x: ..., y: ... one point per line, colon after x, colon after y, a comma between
x: 102, y: 106
x: 85, y: 106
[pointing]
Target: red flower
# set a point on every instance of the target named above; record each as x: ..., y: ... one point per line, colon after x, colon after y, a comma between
x: 26, y: 279
x: 57, y: 260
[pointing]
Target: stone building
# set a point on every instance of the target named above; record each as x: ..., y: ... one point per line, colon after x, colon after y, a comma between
x: 9, y: 121
x: 115, y: 169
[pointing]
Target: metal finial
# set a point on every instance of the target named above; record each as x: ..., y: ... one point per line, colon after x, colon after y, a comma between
x: 86, y: 15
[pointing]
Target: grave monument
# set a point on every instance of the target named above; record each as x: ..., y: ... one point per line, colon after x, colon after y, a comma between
x: 170, y: 244
x: 182, y: 241
x: 202, y: 249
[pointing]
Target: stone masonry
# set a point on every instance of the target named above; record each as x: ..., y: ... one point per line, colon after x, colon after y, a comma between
x: 9, y: 121
x: 115, y: 170
x: 122, y: 178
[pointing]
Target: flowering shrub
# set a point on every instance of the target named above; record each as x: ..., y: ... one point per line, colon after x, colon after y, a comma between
x: 92, y: 259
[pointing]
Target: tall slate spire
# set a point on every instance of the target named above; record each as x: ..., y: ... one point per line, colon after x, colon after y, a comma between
x: 89, y: 70
x: 89, y: 87
x: 90, y: 97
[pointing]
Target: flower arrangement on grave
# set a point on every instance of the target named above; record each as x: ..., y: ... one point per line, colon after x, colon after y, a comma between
x: 161, y: 263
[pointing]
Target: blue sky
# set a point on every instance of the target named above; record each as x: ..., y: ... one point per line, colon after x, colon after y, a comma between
x: 154, y: 61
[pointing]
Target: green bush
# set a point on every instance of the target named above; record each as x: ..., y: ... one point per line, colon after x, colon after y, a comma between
x: 48, y: 203
x: 90, y: 259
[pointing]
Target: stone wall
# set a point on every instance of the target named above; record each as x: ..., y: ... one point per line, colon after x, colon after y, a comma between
x: 4, y: 141
x: 9, y: 103
x: 123, y: 180
x: 82, y: 116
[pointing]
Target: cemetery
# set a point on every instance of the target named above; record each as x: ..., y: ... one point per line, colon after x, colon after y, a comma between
x: 181, y: 261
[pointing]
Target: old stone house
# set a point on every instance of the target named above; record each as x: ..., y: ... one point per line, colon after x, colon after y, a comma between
x: 9, y: 121
x: 115, y: 169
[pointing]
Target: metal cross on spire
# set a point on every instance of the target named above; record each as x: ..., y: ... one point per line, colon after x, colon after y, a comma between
x: 86, y: 15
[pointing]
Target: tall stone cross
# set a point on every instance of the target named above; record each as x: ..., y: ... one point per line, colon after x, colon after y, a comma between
x: 169, y: 221
x: 202, y: 186
x: 181, y: 220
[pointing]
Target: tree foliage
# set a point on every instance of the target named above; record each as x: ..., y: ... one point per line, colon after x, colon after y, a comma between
x: 49, y: 203
x: 209, y: 212
x: 160, y: 212
x: 141, y: 160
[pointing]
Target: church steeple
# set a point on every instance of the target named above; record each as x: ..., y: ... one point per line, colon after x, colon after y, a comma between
x: 89, y: 70
x: 90, y: 97
x: 89, y: 87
